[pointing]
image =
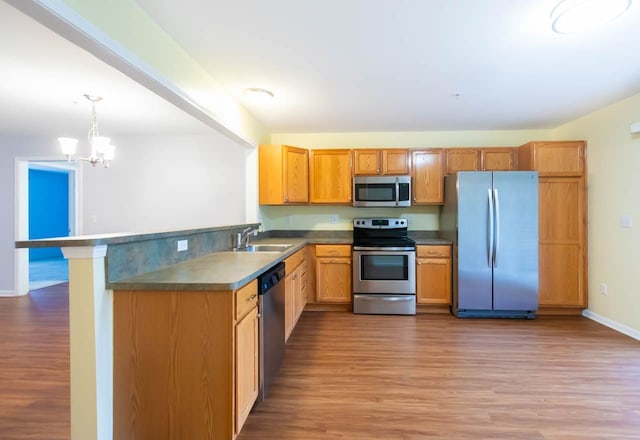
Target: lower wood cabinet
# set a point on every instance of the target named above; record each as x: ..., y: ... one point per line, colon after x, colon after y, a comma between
x: 246, y: 367
x: 333, y: 273
x: 185, y: 363
x: 295, y: 290
x: 433, y: 275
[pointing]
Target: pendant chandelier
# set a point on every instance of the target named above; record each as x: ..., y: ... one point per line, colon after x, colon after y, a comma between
x: 102, y: 151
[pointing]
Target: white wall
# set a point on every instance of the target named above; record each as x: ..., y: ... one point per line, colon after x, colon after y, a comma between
x: 613, y: 157
x: 155, y: 183
x: 164, y: 183
x: 10, y: 148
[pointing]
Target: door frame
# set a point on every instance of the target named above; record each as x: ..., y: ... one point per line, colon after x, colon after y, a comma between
x: 21, y: 224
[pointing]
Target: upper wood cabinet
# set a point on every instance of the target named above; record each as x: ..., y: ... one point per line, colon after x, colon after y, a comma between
x: 330, y: 177
x: 366, y: 162
x: 283, y: 175
x: 427, y: 175
x: 498, y: 158
x: 462, y: 159
x: 390, y: 161
x: 553, y: 158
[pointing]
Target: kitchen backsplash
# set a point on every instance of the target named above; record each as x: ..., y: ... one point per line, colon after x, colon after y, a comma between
x: 339, y: 218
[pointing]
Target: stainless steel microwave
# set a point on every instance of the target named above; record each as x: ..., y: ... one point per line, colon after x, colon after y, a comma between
x: 382, y: 191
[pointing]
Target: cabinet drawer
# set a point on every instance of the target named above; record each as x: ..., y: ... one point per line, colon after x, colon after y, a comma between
x: 294, y: 261
x: 433, y: 251
x: 333, y: 250
x: 246, y: 298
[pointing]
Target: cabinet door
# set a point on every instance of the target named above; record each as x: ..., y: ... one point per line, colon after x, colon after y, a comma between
x: 498, y: 159
x: 333, y: 280
x: 559, y: 158
x: 428, y: 181
x: 330, y: 177
x: 395, y: 161
x: 366, y: 162
x: 296, y: 175
x: 246, y: 366
x: 462, y: 159
x: 433, y: 281
x: 289, y: 304
x: 562, y: 241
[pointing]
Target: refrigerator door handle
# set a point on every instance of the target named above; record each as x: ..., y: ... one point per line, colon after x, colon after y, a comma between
x: 496, y: 202
x: 490, y: 248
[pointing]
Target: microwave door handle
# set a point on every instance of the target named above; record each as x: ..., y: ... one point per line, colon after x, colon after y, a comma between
x: 397, y: 191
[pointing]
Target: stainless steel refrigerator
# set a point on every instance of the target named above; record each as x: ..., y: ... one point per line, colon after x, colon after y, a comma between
x: 492, y: 219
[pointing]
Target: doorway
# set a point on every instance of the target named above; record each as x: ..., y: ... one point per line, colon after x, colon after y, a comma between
x: 47, y: 200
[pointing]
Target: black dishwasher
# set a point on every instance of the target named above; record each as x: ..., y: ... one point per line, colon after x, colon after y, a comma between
x: 271, y: 303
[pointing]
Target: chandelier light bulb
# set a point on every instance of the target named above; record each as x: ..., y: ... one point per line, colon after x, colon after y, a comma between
x: 101, y: 149
x: 68, y: 145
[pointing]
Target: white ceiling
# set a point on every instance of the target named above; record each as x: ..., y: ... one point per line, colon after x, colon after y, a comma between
x: 334, y: 65
x: 373, y: 65
x: 43, y: 78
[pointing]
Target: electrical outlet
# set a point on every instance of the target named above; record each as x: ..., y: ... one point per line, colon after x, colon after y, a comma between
x: 604, y: 289
x: 626, y: 221
x: 183, y: 245
x: 334, y: 218
x: 94, y: 219
x: 288, y: 219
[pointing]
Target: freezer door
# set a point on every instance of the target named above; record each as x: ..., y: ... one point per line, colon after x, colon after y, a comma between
x: 474, y: 232
x: 515, y: 266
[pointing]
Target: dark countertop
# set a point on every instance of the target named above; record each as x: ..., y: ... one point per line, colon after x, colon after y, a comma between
x: 229, y: 270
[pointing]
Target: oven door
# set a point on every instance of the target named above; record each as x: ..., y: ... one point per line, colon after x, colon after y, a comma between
x: 384, y: 270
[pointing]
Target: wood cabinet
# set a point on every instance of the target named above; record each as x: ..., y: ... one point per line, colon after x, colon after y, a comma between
x: 461, y: 159
x: 295, y: 290
x: 283, y: 175
x: 498, y: 158
x: 553, y: 158
x: 433, y: 275
x: 562, y: 221
x: 330, y: 177
x: 427, y: 175
x: 246, y: 367
x: 390, y: 161
x: 395, y: 161
x: 333, y: 273
x: 185, y: 362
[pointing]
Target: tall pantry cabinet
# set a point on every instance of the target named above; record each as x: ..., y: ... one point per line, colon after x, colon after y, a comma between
x: 562, y: 225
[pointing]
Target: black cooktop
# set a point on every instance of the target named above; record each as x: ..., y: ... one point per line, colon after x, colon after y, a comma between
x: 381, y: 232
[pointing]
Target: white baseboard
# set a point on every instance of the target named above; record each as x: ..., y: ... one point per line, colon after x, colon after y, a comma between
x: 8, y: 293
x: 624, y: 329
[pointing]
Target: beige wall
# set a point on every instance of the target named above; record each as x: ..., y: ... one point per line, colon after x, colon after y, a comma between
x: 412, y: 139
x: 614, y: 190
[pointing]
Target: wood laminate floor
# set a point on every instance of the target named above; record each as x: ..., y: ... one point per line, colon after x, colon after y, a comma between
x: 437, y: 377
x: 374, y: 377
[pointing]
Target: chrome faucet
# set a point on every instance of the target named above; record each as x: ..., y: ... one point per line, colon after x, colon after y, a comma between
x: 242, y: 238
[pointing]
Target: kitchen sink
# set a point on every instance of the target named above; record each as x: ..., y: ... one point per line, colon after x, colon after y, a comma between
x: 264, y: 248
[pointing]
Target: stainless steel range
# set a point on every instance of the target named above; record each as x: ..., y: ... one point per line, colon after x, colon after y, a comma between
x: 384, y: 267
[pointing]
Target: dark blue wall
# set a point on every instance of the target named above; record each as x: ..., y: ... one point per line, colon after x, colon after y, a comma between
x: 48, y: 209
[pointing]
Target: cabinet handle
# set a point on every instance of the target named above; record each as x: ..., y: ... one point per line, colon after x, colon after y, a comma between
x: 252, y: 297
x: 431, y: 252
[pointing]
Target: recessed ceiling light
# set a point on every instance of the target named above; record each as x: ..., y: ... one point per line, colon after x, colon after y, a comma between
x: 573, y: 16
x: 257, y: 93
